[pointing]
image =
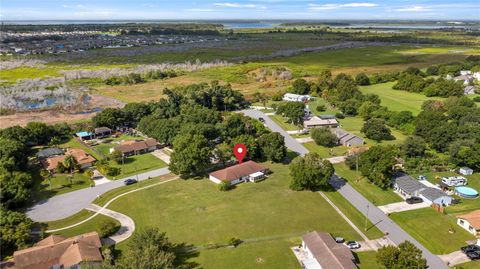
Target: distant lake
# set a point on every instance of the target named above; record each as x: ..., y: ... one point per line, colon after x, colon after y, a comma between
x: 252, y: 25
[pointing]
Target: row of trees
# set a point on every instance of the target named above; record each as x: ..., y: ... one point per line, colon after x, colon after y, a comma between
x: 135, y: 78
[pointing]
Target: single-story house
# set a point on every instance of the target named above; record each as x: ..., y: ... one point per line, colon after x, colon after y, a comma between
x: 291, y: 97
x: 85, y: 135
x: 466, y: 171
x: 470, y: 222
x: 469, y: 90
x: 347, y: 139
x: 134, y: 147
x: 315, y: 122
x: 324, y: 253
x: 102, y: 132
x: 243, y: 172
x: 49, y: 152
x: 408, y: 187
x: 59, y: 252
x: 83, y: 159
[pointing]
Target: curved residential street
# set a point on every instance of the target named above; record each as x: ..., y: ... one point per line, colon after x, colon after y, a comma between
x: 395, y: 234
x: 65, y: 205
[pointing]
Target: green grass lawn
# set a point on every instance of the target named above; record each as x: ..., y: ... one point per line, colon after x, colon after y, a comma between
x: 354, y: 215
x: 89, y: 226
x: 74, y: 143
x: 397, y: 100
x: 367, y: 260
x: 354, y: 125
x: 374, y: 194
x: 60, y: 184
x: 284, y: 124
x: 264, y: 254
x: 320, y: 101
x: 431, y: 229
x: 253, y: 210
x: 138, y: 164
x: 469, y: 265
x: 325, y: 152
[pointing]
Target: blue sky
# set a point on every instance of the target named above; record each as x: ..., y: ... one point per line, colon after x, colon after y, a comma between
x: 240, y: 9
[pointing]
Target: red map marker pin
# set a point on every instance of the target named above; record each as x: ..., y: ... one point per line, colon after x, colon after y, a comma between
x: 240, y: 150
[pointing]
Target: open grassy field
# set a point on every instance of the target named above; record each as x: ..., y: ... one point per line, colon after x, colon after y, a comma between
x: 397, y: 100
x: 431, y: 229
x: 284, y: 124
x: 470, y: 265
x: 374, y: 194
x: 139, y: 164
x: 354, y: 125
x: 367, y: 260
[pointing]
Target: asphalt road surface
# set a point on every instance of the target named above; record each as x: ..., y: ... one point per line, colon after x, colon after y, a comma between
x: 396, y: 234
x: 65, y: 205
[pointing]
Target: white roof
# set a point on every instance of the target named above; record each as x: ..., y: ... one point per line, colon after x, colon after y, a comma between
x: 256, y: 174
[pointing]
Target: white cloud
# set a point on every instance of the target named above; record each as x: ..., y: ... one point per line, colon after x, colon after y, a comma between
x: 337, y: 6
x: 238, y: 5
x: 65, y: 6
x: 412, y: 9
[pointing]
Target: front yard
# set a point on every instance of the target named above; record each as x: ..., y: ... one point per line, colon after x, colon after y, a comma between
x: 374, y: 194
x: 431, y: 229
x: 325, y: 152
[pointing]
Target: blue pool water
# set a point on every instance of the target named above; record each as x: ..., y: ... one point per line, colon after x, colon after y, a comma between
x: 466, y: 192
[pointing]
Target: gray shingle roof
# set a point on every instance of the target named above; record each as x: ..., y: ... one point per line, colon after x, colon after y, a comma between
x: 432, y: 194
x: 45, y: 153
x: 408, y: 184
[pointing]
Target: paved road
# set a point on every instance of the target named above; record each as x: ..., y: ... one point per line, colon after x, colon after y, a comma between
x: 65, y: 205
x: 395, y: 234
x: 290, y: 142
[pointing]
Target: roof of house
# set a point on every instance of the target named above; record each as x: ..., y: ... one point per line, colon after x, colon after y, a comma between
x: 81, y: 156
x: 318, y: 121
x: 132, y: 145
x: 327, y: 117
x: 327, y: 252
x: 432, y: 194
x: 102, y: 130
x: 466, y: 168
x: 60, y: 250
x: 238, y: 171
x: 473, y: 218
x: 344, y: 136
x: 45, y: 153
x: 408, y: 184
x: 51, y: 163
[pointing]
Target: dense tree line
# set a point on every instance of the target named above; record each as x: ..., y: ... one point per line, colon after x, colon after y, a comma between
x: 16, y: 178
x: 135, y: 78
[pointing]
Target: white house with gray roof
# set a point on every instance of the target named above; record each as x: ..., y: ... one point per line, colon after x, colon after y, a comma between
x: 407, y: 186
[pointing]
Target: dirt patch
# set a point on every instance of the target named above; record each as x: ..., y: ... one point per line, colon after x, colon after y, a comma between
x: 96, y: 104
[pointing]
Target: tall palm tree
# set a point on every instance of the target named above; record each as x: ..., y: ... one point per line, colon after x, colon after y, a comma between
x: 70, y: 163
x: 46, y: 176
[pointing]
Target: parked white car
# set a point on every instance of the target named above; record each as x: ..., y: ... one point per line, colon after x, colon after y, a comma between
x: 352, y: 244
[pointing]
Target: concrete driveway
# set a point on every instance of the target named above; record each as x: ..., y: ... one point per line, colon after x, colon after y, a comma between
x: 454, y: 258
x: 401, y: 206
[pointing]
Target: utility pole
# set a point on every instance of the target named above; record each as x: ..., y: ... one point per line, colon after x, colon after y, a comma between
x: 366, y: 217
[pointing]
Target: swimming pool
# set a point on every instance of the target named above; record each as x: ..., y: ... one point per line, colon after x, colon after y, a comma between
x: 466, y: 192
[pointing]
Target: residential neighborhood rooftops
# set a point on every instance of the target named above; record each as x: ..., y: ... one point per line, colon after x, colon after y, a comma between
x: 134, y: 146
x: 58, y: 250
x: 473, y: 218
x: 432, y: 194
x: 328, y: 253
x: 408, y: 184
x: 81, y: 156
x: 238, y: 171
x: 45, y: 153
x: 319, y: 122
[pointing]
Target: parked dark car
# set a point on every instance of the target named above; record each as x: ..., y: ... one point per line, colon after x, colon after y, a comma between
x: 473, y: 255
x: 261, y: 119
x: 414, y: 200
x: 470, y: 248
x: 129, y: 181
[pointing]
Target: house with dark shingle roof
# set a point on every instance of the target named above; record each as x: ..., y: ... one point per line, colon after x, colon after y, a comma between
x: 49, y: 152
x: 323, y: 252
x: 246, y: 171
x: 408, y: 187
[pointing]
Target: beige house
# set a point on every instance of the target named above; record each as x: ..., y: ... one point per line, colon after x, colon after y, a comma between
x: 316, y: 122
x: 470, y: 222
x: 248, y: 171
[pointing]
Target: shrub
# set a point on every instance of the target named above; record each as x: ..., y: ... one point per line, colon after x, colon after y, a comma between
x: 278, y: 96
x: 225, y: 186
x: 477, y: 99
x: 61, y: 168
x: 362, y: 79
x: 108, y: 228
x: 323, y: 136
x: 321, y: 108
x: 340, y: 116
x: 234, y: 241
